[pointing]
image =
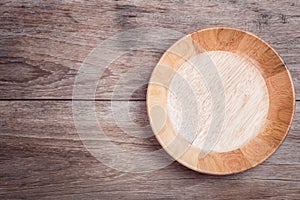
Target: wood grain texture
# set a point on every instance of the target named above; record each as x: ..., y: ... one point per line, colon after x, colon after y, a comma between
x: 43, y: 43
x: 42, y: 157
x: 42, y: 46
x: 231, y: 93
x: 246, y: 100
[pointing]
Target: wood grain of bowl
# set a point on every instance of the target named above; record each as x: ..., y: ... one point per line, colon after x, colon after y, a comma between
x: 220, y: 101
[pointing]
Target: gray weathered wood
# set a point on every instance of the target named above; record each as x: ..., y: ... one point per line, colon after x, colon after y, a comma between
x: 42, y: 156
x: 43, y: 43
x: 42, y: 46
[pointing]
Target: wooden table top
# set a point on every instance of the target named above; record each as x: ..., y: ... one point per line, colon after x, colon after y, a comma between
x: 42, y: 46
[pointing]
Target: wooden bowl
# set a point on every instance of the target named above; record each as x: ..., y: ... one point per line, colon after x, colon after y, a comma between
x: 220, y: 101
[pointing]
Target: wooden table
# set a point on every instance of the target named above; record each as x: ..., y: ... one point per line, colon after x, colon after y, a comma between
x: 42, y: 46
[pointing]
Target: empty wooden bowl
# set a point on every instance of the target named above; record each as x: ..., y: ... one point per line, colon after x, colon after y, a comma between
x: 220, y: 101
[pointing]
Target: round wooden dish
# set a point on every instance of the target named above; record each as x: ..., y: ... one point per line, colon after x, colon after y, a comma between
x: 220, y: 101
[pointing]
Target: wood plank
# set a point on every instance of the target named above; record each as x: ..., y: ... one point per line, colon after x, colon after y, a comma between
x: 41, y: 156
x: 43, y: 43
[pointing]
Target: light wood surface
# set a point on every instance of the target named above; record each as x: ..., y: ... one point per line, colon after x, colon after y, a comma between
x: 43, y: 44
x: 254, y: 106
x: 245, y: 97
